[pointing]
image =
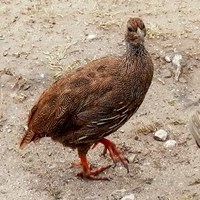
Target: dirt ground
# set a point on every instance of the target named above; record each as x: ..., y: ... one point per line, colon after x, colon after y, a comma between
x: 42, y: 39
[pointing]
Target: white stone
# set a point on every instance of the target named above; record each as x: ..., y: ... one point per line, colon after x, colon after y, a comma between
x: 177, y: 59
x: 170, y: 144
x: 129, y: 197
x: 132, y: 158
x: 9, y: 130
x: 91, y: 37
x: 160, y: 135
x: 167, y: 59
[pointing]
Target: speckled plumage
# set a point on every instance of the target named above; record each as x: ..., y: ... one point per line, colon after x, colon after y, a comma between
x: 91, y: 102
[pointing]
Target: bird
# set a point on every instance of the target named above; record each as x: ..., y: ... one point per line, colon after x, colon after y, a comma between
x: 89, y: 103
x: 194, y: 125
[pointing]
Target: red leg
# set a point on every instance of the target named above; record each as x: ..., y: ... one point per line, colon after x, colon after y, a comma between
x: 91, y: 174
x: 115, y: 152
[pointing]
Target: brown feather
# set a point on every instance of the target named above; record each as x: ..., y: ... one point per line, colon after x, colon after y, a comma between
x: 26, y: 139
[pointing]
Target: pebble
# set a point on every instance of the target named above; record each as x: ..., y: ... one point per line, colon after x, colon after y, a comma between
x: 91, y: 36
x: 132, y: 158
x: 9, y: 130
x: 177, y: 59
x: 167, y: 73
x: 5, y: 53
x: 182, y: 80
x: 122, y: 131
x: 160, y: 135
x: 129, y: 197
x: 168, y: 59
x: 170, y: 144
x: 117, y: 194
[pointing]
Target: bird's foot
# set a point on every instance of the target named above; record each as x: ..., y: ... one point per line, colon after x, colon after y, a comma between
x: 91, y: 174
x: 115, y: 153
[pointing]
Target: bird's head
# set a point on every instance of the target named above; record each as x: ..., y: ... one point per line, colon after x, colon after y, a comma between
x: 136, y: 31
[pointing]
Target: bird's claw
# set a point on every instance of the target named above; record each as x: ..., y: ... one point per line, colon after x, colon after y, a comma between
x: 91, y: 174
x: 115, y: 153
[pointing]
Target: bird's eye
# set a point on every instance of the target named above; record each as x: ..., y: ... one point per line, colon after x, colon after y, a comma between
x: 130, y: 29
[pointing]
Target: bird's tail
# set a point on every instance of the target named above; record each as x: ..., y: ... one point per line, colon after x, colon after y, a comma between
x: 26, y: 139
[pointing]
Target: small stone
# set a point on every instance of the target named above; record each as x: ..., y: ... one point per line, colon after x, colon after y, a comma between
x: 122, y: 131
x: 136, y: 137
x: 20, y: 97
x: 167, y: 73
x: 9, y: 130
x: 168, y: 59
x: 129, y: 197
x: 5, y: 53
x: 52, y: 166
x: 160, y: 135
x: 35, y: 57
x: 182, y: 80
x: 91, y: 36
x: 42, y: 75
x: 170, y: 144
x: 177, y: 59
x: 132, y: 158
x: 117, y: 194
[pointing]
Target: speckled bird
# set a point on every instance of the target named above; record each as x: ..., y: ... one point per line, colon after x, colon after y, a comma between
x: 194, y: 124
x: 87, y: 104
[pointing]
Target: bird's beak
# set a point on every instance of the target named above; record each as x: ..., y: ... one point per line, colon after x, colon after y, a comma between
x: 141, y: 32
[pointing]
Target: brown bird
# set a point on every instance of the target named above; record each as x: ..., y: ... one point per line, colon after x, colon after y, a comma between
x: 194, y: 125
x: 88, y: 104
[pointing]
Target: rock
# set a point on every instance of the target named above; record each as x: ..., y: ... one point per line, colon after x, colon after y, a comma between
x: 42, y: 75
x: 117, y: 194
x: 182, y: 80
x: 167, y: 73
x: 132, y: 158
x: 129, y: 197
x: 177, y: 60
x: 167, y: 59
x: 160, y: 135
x: 122, y: 131
x: 9, y: 130
x: 91, y: 36
x: 170, y: 144
x: 5, y: 53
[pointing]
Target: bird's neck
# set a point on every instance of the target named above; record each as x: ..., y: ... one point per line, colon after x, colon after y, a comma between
x: 135, y: 57
x: 135, y: 50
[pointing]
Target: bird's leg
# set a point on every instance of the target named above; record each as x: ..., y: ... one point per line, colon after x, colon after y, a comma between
x: 87, y: 172
x: 115, y: 153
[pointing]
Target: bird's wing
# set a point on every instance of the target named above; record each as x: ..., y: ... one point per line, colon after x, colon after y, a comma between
x: 59, y: 105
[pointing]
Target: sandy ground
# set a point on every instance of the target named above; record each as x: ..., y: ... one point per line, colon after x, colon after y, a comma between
x: 42, y: 39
